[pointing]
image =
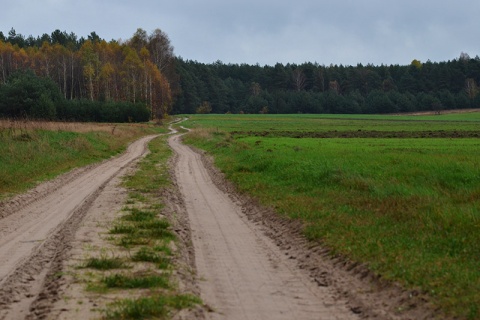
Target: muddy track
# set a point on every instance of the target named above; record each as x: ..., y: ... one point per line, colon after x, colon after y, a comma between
x: 36, y: 230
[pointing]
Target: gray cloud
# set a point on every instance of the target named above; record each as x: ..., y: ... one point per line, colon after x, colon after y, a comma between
x: 266, y: 31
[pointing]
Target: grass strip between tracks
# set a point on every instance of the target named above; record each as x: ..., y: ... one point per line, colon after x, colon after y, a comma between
x: 154, y: 237
x: 144, y: 260
x: 409, y: 208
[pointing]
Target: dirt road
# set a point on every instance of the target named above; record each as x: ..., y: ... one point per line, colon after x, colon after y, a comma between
x: 36, y: 231
x: 249, y: 263
x: 243, y: 274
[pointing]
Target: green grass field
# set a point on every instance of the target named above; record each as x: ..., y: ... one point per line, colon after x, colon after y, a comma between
x: 409, y: 208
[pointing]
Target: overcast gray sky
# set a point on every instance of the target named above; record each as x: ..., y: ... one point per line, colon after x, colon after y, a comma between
x: 269, y: 31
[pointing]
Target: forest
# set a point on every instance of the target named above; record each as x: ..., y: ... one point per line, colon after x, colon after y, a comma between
x: 314, y: 88
x: 61, y: 76
x: 90, y: 79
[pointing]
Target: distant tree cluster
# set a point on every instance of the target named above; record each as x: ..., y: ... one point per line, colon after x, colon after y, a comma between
x: 26, y: 95
x: 313, y: 88
x: 138, y: 71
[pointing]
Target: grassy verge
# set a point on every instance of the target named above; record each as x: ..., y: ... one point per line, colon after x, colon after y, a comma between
x: 410, y: 208
x: 36, y: 151
x: 147, y: 247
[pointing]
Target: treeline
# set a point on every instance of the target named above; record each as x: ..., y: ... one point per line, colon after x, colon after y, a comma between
x: 314, y: 88
x: 63, y: 38
x: 138, y: 71
x: 144, y: 72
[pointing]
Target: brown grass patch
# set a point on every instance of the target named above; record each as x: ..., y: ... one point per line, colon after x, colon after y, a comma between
x: 202, y: 133
x: 80, y: 127
x: 19, y: 129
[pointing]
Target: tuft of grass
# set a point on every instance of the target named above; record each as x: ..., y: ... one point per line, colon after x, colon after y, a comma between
x: 164, y: 263
x: 152, y: 224
x: 129, y: 241
x: 123, y: 228
x: 136, y: 282
x: 137, y: 215
x: 146, y: 254
x: 157, y: 306
x: 105, y: 263
x: 157, y: 255
x: 156, y: 229
x: 142, y: 228
x: 163, y: 247
x: 136, y: 196
x: 142, y: 233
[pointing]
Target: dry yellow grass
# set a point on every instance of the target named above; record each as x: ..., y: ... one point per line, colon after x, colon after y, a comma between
x: 127, y: 131
x: 32, y: 151
x: 55, y: 126
x: 202, y: 133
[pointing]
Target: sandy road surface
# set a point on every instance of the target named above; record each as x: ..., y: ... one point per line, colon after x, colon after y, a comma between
x: 243, y: 274
x: 33, y: 237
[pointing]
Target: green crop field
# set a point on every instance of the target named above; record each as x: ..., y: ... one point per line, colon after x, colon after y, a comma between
x: 339, y: 123
x: 409, y: 207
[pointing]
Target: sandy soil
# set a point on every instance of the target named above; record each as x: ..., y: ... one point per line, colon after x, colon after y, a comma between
x: 246, y: 262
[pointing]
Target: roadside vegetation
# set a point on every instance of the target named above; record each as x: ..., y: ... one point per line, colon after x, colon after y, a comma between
x: 407, y: 207
x: 145, y: 253
x: 34, y: 151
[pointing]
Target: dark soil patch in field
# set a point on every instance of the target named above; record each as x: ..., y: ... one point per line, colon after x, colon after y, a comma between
x: 361, y: 134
